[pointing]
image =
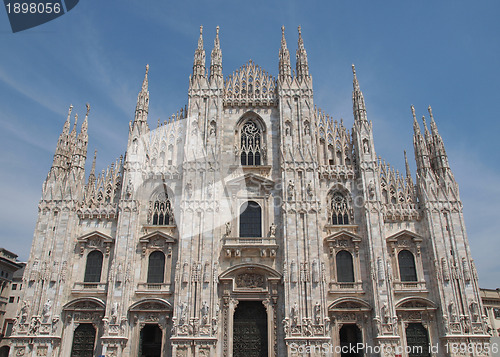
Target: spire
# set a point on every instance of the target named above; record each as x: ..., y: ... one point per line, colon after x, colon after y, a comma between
x: 142, y: 107
x: 302, y: 66
x: 216, y: 59
x: 92, y: 170
x: 199, y: 58
x: 284, y: 62
x: 407, y: 168
x: 67, y: 124
x: 72, y: 135
x: 441, y: 158
x: 85, y: 124
x: 419, y: 145
x: 358, y: 101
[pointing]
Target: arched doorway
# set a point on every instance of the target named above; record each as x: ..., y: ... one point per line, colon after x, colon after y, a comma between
x: 417, y: 340
x: 151, y: 338
x: 83, y: 341
x: 4, y: 351
x: 350, y: 336
x: 250, y: 330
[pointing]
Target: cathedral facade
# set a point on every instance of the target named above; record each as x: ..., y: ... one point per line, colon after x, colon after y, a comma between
x: 250, y: 224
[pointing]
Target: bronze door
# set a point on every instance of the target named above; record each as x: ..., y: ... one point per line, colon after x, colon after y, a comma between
x: 150, y: 345
x: 417, y: 340
x: 83, y: 341
x: 250, y: 330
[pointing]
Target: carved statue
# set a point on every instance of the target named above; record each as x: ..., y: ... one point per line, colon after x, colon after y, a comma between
x: 295, y: 314
x: 204, y: 313
x: 183, y: 313
x: 291, y: 188
x: 272, y: 230
x: 228, y: 229
x: 317, y: 313
x: 24, y: 312
x: 366, y: 148
x: 46, y: 310
x: 309, y: 189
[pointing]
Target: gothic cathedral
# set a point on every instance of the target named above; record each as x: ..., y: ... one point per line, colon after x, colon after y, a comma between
x: 249, y: 224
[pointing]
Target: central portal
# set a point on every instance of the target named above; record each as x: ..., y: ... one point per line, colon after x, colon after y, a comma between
x: 250, y: 330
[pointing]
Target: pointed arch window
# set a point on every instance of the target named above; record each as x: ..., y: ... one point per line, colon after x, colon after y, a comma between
x: 156, y: 268
x: 160, y: 212
x: 345, y: 268
x: 94, y: 267
x: 250, y: 220
x: 339, y: 209
x: 407, y: 270
x: 251, y: 144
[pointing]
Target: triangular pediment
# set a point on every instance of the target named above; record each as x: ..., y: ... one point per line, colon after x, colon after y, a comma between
x: 343, y: 234
x: 155, y: 236
x: 95, y: 235
x: 404, y: 233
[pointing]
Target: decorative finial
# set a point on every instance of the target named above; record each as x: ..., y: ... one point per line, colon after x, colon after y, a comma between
x: 413, y: 112
x: 88, y: 108
x: 147, y: 68
x: 430, y: 112
x: 353, y: 69
x: 201, y: 30
x: 217, y: 30
x: 300, y: 31
x: 282, y: 30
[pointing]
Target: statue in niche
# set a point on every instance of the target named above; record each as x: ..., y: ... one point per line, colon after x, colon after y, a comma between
x: 291, y: 188
x: 317, y: 313
x: 295, y: 314
x: 309, y: 189
x: 204, y: 313
x: 366, y: 148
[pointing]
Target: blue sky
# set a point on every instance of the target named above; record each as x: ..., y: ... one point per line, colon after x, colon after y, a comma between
x: 444, y: 53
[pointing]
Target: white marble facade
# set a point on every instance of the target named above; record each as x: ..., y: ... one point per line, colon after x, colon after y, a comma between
x: 333, y: 246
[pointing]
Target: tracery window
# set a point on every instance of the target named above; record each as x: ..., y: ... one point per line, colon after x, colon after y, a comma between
x: 251, y: 144
x: 407, y: 270
x: 345, y: 268
x: 339, y: 209
x: 160, y: 212
x: 156, y: 267
x: 93, y: 267
x: 251, y: 220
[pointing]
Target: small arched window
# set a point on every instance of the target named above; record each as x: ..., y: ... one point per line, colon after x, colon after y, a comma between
x: 161, y: 210
x: 156, y: 268
x: 93, y: 267
x: 407, y: 271
x: 345, y: 268
x: 250, y: 220
x: 339, y: 209
x: 251, y: 144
